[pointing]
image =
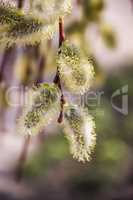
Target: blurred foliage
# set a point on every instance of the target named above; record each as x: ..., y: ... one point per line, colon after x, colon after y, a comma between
x: 52, y: 151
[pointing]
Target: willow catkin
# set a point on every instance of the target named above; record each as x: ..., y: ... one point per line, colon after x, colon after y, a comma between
x: 9, y: 14
x: 51, y: 10
x: 30, y: 31
x: 76, y: 72
x: 80, y: 132
x: 22, y: 28
x: 42, y: 107
x: 29, y: 27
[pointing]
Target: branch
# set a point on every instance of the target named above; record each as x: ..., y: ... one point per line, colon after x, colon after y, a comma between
x: 61, y: 32
x: 57, y: 77
x: 22, y: 159
x: 79, y: 2
x: 20, y: 3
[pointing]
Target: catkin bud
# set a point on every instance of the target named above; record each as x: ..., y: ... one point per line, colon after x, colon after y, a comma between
x: 80, y: 131
x: 43, y: 106
x: 75, y: 70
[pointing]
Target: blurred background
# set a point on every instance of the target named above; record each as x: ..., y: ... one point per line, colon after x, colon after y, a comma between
x: 103, y: 29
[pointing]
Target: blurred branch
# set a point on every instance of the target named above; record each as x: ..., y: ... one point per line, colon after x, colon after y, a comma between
x: 5, y: 59
x: 41, y: 65
x: 79, y: 2
x: 22, y: 159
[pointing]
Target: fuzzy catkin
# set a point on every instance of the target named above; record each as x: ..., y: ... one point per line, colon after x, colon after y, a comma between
x: 22, y: 28
x: 51, y: 10
x: 80, y: 132
x: 30, y: 27
x: 43, y: 106
x: 76, y: 72
x: 9, y: 14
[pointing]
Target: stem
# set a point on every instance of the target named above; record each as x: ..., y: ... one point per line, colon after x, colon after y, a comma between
x: 57, y: 77
x: 20, y: 3
x: 79, y: 2
x: 22, y: 159
x: 61, y: 32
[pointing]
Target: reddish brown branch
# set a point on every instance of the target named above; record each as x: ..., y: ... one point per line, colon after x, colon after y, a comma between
x: 57, y: 77
x: 61, y: 32
x: 79, y: 2
x: 20, y: 3
x: 22, y: 159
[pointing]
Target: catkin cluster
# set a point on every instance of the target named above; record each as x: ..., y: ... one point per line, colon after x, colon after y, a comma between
x: 74, y: 71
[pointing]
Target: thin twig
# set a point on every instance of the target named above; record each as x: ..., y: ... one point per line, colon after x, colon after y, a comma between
x: 61, y: 32
x: 79, y: 2
x: 57, y: 77
x: 20, y: 3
